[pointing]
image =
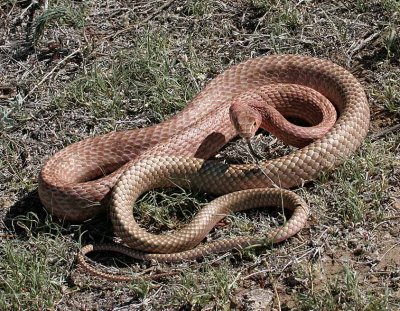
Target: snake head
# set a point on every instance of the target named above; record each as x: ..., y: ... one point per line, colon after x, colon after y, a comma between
x: 245, y: 119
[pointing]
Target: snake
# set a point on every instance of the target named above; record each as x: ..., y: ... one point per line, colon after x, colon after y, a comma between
x: 109, y: 172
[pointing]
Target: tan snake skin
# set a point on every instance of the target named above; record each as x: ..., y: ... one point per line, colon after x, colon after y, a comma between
x: 76, y: 182
x: 180, y: 245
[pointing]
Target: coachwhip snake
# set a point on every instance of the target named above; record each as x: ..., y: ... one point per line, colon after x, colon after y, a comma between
x: 76, y: 183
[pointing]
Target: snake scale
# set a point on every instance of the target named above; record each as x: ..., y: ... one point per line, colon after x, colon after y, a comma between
x: 114, y: 169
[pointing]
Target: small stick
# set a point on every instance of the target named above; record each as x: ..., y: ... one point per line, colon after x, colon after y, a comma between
x: 386, y: 131
x: 276, y: 294
x: 257, y: 158
x: 363, y: 43
x: 148, y: 18
x: 50, y: 73
x: 21, y: 16
x: 255, y: 155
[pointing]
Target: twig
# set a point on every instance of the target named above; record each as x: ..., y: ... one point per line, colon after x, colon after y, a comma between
x: 148, y: 18
x: 161, y: 8
x: 21, y: 16
x: 393, y: 246
x: 50, y: 73
x: 385, y: 221
x: 386, y: 131
x: 361, y: 45
x: 276, y: 293
x: 257, y: 158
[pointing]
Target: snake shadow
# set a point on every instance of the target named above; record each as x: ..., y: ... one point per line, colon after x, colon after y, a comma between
x: 28, y: 217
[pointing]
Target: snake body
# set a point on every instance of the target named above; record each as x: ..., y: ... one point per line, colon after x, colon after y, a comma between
x: 76, y: 182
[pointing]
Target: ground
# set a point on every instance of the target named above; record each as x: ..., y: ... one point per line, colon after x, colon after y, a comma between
x: 75, y: 69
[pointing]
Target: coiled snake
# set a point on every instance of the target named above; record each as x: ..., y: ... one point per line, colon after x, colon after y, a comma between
x: 76, y: 183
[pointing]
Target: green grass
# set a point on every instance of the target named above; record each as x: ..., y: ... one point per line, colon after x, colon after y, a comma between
x: 33, y: 270
x: 390, y: 96
x: 135, y: 80
x: 12, y: 169
x: 359, y: 185
x: 26, y: 281
x: 57, y: 17
x: 211, y: 287
x: 199, y: 8
x: 342, y: 292
x: 388, y: 6
x: 166, y: 209
x: 281, y: 16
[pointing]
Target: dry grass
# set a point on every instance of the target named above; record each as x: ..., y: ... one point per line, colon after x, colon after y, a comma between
x: 70, y: 70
